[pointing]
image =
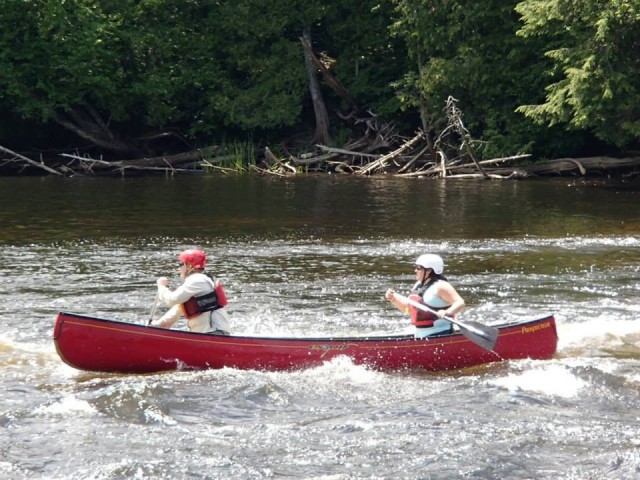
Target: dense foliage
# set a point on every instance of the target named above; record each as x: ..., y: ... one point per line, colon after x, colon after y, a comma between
x: 552, y: 77
x: 595, y: 49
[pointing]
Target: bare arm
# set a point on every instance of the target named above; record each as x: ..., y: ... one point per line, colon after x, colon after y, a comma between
x: 449, y: 294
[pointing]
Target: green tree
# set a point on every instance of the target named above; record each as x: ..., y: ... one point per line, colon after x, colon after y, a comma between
x: 470, y: 50
x: 60, y: 61
x: 595, y: 48
x: 117, y: 73
x: 112, y: 71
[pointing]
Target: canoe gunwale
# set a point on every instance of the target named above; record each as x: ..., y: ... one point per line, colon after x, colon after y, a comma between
x: 360, y: 338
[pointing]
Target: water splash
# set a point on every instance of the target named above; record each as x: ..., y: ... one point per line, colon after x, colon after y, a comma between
x: 552, y: 380
x: 69, y: 405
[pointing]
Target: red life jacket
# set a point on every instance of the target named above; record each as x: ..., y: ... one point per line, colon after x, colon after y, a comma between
x: 205, y: 303
x: 420, y: 318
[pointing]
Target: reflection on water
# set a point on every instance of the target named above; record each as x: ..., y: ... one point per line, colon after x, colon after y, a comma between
x: 313, y: 256
x: 53, y: 209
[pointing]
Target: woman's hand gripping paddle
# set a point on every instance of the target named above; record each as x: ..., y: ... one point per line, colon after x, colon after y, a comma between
x: 482, y: 335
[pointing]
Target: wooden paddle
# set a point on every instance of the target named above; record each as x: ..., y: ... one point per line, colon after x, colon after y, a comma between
x: 482, y: 335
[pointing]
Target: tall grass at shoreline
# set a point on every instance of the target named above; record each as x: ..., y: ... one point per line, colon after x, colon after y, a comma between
x: 235, y: 156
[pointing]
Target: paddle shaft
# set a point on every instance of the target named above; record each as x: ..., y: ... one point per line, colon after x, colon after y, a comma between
x: 424, y: 308
x: 153, y: 308
x: 482, y: 335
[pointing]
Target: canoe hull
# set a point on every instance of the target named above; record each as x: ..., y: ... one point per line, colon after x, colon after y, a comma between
x: 100, y: 345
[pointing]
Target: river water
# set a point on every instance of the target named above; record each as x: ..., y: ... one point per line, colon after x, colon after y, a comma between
x: 313, y: 256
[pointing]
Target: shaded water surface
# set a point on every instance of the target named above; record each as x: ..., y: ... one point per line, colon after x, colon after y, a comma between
x: 313, y: 256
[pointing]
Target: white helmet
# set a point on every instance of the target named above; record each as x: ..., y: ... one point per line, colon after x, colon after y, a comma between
x: 432, y: 261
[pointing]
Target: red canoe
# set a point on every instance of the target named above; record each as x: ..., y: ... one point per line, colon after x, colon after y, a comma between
x: 102, y: 345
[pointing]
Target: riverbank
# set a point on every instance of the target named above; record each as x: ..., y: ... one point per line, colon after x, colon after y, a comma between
x: 401, y: 162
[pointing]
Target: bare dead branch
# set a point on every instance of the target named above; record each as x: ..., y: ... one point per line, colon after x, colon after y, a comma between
x: 33, y: 163
x: 414, y: 159
x: 382, y: 161
x: 454, y: 115
x: 347, y: 152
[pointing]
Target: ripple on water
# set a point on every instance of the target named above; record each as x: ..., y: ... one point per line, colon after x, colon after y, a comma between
x: 572, y: 417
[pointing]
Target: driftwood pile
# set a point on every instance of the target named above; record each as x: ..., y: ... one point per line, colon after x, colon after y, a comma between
x: 399, y: 162
x: 403, y: 163
x: 450, y: 154
x: 379, y: 151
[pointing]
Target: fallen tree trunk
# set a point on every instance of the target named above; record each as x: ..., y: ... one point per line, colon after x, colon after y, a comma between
x: 169, y: 162
x: 17, y: 158
x: 563, y: 165
x: 558, y: 167
x: 437, y: 169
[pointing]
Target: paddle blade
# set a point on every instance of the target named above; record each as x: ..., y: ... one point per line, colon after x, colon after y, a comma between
x: 482, y: 335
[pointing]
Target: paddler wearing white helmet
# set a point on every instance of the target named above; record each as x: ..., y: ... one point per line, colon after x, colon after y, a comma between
x: 433, y: 290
